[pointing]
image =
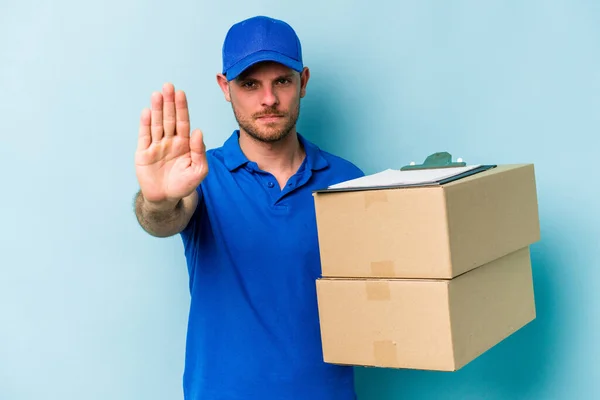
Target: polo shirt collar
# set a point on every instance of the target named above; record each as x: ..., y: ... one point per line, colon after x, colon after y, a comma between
x: 235, y: 158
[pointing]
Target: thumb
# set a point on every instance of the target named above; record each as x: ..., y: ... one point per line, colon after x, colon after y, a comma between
x: 198, y: 149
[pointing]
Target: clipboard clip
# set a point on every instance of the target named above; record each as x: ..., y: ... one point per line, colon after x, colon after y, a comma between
x: 441, y: 159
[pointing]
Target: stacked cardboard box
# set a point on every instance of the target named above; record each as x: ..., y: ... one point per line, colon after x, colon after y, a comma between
x: 426, y: 277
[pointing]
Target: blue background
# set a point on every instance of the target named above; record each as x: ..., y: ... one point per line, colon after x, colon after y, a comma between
x: 93, y: 308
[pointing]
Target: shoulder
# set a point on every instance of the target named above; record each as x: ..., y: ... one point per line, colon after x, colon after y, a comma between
x: 341, y: 167
x: 215, y: 154
x: 216, y: 159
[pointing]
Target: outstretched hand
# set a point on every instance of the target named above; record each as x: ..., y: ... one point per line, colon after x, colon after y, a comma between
x: 169, y: 163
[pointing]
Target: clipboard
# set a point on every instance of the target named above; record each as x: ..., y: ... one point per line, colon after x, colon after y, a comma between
x: 437, y: 169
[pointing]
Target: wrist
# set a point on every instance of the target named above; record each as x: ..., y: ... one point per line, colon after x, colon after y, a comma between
x: 161, y: 206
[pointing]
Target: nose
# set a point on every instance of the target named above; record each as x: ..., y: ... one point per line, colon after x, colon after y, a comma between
x: 269, y: 98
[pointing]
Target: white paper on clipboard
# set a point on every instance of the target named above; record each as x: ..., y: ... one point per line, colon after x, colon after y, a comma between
x: 394, y: 177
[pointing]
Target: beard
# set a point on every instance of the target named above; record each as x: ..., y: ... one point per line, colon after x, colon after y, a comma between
x: 268, y: 133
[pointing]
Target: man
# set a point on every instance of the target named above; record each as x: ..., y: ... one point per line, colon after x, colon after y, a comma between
x: 246, y: 216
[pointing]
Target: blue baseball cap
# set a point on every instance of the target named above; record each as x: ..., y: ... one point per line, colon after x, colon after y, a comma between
x: 259, y: 39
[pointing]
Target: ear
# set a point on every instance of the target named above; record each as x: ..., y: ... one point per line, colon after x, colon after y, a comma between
x: 304, y: 76
x: 224, y: 85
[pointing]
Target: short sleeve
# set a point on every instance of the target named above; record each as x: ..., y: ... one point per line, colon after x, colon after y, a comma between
x: 190, y: 232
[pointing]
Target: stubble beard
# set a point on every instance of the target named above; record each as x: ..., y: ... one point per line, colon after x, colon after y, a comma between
x: 267, y: 133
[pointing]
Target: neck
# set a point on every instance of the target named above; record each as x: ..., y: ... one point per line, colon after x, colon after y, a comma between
x: 279, y: 158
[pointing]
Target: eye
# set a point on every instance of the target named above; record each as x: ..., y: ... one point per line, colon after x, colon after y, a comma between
x: 283, y: 81
x: 249, y: 85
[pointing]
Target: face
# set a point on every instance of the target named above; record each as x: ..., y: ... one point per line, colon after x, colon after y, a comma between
x: 266, y: 100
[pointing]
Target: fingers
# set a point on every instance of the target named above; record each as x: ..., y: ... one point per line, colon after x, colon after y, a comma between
x: 198, y: 151
x: 183, y: 117
x: 144, y: 136
x: 168, y: 110
x: 169, y: 114
x: 156, y: 127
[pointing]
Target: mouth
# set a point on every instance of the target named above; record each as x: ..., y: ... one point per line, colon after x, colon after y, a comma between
x: 270, y: 118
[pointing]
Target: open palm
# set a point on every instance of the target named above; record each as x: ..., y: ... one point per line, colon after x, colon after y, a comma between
x: 169, y: 163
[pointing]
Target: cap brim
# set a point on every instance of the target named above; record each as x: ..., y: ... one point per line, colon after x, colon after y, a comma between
x: 258, y: 57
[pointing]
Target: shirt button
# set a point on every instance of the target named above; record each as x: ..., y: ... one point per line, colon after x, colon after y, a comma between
x: 270, y: 184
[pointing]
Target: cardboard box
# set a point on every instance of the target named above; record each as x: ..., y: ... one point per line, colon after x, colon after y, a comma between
x: 428, y: 232
x: 425, y: 323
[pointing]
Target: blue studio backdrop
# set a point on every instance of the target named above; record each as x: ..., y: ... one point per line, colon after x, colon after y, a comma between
x: 93, y: 308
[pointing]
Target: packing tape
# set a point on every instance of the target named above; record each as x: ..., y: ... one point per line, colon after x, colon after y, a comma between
x: 385, y: 354
x: 375, y: 196
x: 382, y: 269
x: 377, y: 290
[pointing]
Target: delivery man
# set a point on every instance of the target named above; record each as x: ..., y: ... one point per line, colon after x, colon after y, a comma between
x: 246, y: 216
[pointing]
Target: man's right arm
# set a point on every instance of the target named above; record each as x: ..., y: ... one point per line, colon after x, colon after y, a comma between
x: 165, y: 219
x: 170, y: 164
